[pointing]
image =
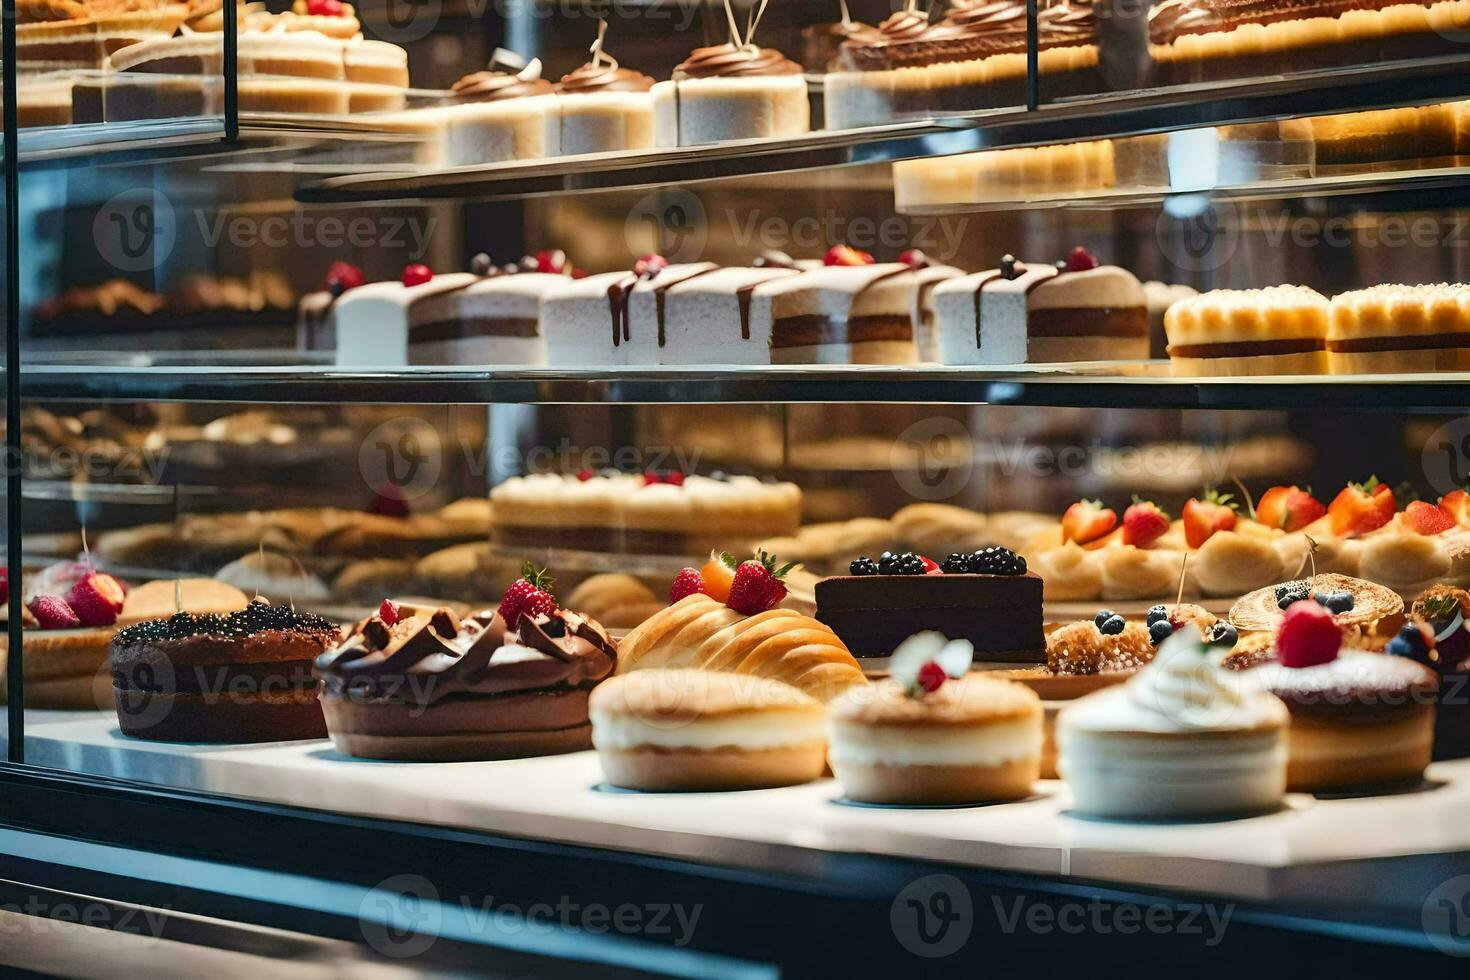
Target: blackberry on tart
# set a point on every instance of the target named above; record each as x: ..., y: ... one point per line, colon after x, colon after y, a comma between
x: 241, y: 677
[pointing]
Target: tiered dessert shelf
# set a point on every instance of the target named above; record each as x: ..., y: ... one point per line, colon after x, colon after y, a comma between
x: 1136, y: 113
x: 1077, y: 386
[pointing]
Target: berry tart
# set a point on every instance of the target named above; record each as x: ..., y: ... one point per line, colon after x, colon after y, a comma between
x: 934, y: 733
x: 69, y: 620
x: 1181, y: 738
x: 1353, y: 603
x: 1437, y: 636
x: 1076, y: 309
x: 987, y: 597
x: 421, y: 683
x: 703, y: 730
x: 1357, y: 719
x: 242, y: 677
x: 745, y: 632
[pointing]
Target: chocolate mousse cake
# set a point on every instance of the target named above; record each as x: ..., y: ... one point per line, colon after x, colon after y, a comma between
x: 605, y: 107
x: 988, y: 598
x: 973, y: 58
x: 1018, y: 313
x: 242, y: 677
x: 500, y: 115
x: 422, y: 684
x: 1206, y: 40
x: 732, y: 91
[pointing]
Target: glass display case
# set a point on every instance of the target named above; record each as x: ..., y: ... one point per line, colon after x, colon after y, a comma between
x: 585, y: 489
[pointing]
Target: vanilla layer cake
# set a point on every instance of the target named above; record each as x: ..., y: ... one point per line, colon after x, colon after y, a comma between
x: 1276, y: 330
x: 626, y: 512
x: 1391, y: 328
x: 1413, y: 133
x: 612, y: 318
x: 1203, y: 40
x: 599, y: 122
x: 689, y: 111
x: 1003, y: 174
x: 524, y: 128
x: 495, y: 320
x: 376, y: 322
x: 1037, y: 313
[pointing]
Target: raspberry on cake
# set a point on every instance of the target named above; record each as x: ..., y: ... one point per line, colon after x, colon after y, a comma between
x: 1075, y: 310
x: 1276, y: 330
x: 1392, y: 328
x: 732, y: 91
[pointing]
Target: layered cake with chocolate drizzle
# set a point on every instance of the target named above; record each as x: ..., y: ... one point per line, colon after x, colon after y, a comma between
x: 242, y: 677
x: 1205, y: 40
x: 988, y: 597
x: 604, y: 106
x: 973, y: 58
x: 1075, y: 310
x: 420, y: 683
x: 489, y: 315
x: 732, y: 91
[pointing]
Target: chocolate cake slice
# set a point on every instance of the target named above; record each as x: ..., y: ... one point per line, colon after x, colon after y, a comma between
x: 999, y: 614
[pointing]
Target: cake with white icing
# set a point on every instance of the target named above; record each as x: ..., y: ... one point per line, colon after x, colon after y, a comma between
x: 732, y: 91
x: 1020, y: 313
x: 489, y: 315
x: 603, y: 106
x: 613, y: 318
x: 501, y: 115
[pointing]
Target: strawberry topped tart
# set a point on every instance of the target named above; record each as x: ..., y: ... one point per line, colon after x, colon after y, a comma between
x: 421, y: 683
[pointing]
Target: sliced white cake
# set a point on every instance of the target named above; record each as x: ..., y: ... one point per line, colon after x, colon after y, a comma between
x: 376, y: 322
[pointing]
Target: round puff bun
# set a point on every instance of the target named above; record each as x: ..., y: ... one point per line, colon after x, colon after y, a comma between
x: 683, y: 730
x: 975, y: 739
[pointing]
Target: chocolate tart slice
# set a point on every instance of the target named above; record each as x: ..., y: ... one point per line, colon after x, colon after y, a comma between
x: 999, y: 614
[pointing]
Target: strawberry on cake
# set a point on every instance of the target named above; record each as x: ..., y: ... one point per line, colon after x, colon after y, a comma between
x: 1018, y: 313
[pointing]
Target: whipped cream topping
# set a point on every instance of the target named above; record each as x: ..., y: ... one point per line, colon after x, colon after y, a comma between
x: 1183, y: 690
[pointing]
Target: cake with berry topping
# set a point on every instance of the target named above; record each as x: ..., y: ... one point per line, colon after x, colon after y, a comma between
x: 1358, y: 719
x: 1436, y: 636
x: 728, y: 616
x: 421, y: 683
x: 507, y: 112
x: 1352, y: 602
x: 489, y: 315
x: 659, y: 512
x: 731, y: 91
x: 934, y: 733
x: 241, y: 677
x: 603, y: 106
x: 1276, y: 330
x: 1075, y: 310
x: 705, y: 730
x: 1181, y: 738
x: 1393, y: 328
x: 987, y: 597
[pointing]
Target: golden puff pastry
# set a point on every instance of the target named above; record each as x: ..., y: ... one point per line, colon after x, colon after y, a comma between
x: 1230, y: 563
x: 1334, y: 554
x: 1141, y: 573
x: 1403, y: 560
x: 615, y: 600
x: 701, y: 633
x: 1069, y: 573
x: 939, y: 529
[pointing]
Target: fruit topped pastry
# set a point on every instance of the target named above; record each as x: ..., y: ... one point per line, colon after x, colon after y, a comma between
x: 1350, y: 602
x: 1358, y: 719
x: 933, y: 732
x: 421, y: 683
x: 987, y: 597
x: 745, y: 632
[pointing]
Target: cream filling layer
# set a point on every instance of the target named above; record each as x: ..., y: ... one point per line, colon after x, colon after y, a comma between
x: 973, y: 745
x: 754, y: 731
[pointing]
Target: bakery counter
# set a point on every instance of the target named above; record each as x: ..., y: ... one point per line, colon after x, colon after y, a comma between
x: 1144, y: 384
x: 1387, y: 853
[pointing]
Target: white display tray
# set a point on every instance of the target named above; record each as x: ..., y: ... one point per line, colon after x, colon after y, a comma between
x: 1387, y: 851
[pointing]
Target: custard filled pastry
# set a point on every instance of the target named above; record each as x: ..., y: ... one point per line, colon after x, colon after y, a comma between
x: 1141, y: 573
x: 1068, y: 573
x: 1235, y: 562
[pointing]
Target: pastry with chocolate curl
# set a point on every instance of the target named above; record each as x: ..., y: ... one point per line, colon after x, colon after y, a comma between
x: 242, y: 677
x: 422, y: 684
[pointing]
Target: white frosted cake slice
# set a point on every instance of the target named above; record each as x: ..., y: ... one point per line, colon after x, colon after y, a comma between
x: 712, y: 319
x: 612, y: 318
x: 734, y: 91
x: 603, y: 107
x: 1022, y: 313
x: 845, y: 314
x: 375, y: 322
x: 496, y: 319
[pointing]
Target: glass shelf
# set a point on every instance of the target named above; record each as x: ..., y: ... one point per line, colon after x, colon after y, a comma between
x: 1090, y: 385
